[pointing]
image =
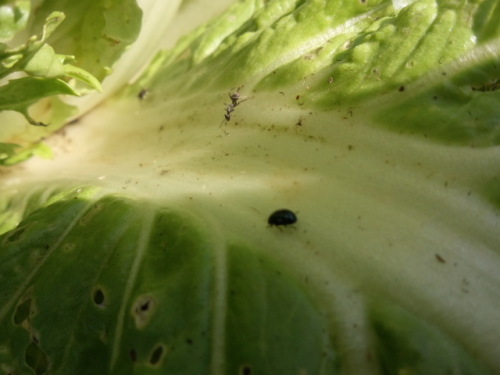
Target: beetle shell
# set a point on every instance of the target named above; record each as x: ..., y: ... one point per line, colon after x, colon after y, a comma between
x: 282, y: 217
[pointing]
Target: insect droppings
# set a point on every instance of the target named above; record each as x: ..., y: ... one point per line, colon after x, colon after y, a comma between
x: 282, y: 217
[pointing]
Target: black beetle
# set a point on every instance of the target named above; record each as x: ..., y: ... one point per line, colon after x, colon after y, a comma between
x: 282, y: 217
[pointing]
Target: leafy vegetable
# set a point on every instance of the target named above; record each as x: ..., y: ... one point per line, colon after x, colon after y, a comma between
x: 49, y: 73
x: 143, y: 245
x: 37, y: 59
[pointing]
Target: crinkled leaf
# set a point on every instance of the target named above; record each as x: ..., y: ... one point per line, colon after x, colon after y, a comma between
x: 7, y: 150
x: 19, y: 94
x: 19, y: 155
x: 83, y: 76
x: 13, y: 18
x: 35, y: 56
x: 167, y: 263
x: 45, y: 69
x: 38, y: 59
x: 96, y: 33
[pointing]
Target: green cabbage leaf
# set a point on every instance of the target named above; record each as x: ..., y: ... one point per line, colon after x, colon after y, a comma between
x: 88, y: 40
x: 142, y: 246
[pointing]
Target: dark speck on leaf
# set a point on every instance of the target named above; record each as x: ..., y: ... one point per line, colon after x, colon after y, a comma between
x: 142, y: 94
x: 440, y: 259
x: 99, y: 297
x: 282, y: 217
x: 133, y: 355
x: 74, y: 121
x: 246, y: 370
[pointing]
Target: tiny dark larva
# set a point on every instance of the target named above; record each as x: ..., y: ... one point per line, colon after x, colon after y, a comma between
x: 282, y: 217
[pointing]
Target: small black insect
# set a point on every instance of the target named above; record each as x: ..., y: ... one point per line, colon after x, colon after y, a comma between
x: 235, y: 101
x: 229, y: 109
x: 282, y: 217
x: 235, y: 97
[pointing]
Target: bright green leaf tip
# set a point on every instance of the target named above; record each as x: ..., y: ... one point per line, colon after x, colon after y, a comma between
x: 47, y: 73
x: 13, y: 18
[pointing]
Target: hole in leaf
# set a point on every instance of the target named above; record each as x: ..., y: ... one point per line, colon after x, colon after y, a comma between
x: 246, y: 370
x: 36, y: 359
x: 142, y: 310
x: 157, y: 355
x: 22, y: 312
x: 99, y: 297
